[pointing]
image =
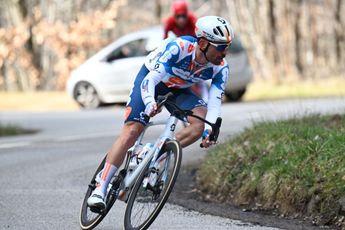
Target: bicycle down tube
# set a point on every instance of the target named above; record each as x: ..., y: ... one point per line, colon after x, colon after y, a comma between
x: 168, y: 133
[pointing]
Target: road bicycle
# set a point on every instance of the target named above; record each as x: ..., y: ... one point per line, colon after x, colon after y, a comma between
x: 151, y: 182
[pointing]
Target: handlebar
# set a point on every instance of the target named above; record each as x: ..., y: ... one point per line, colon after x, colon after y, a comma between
x: 162, y: 100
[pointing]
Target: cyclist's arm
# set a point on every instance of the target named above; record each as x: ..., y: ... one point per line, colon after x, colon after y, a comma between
x: 216, y: 93
x: 161, y: 69
x: 204, y: 91
x: 149, y: 83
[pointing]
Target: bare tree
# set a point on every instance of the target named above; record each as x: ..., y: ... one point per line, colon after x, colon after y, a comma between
x: 41, y: 41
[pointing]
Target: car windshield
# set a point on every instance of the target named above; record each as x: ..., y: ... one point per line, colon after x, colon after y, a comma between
x: 134, y: 48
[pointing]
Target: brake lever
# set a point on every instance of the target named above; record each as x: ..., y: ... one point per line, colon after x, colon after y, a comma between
x: 161, y: 100
x: 215, y: 131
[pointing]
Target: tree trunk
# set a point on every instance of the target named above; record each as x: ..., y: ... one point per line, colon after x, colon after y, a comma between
x: 16, y: 78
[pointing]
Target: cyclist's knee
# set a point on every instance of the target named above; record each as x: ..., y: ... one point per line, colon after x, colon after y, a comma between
x: 131, y: 132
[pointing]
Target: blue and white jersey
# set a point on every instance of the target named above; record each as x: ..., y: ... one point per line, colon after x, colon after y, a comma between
x: 173, y: 63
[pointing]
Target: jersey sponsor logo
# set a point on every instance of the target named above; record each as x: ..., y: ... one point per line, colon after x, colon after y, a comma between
x: 172, y: 127
x: 221, y: 96
x: 142, y: 117
x: 175, y: 82
x: 181, y: 73
x: 156, y: 68
x: 201, y: 102
x: 155, y: 57
x: 167, y: 55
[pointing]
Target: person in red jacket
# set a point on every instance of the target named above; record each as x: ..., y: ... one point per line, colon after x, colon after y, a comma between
x: 182, y: 22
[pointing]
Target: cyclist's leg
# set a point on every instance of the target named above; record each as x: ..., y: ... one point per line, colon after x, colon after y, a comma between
x: 134, y: 125
x: 193, y: 132
x: 135, y: 122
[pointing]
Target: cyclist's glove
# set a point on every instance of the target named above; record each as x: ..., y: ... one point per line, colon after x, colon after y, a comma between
x: 150, y: 108
x: 206, y: 133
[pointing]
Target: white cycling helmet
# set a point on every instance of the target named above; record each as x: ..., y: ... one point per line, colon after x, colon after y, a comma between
x: 214, y: 29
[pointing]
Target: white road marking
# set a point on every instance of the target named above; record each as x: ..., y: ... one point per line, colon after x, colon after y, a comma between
x: 85, y: 136
x: 14, y: 145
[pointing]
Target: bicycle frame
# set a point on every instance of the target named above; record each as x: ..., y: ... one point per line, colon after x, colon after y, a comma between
x: 151, y: 156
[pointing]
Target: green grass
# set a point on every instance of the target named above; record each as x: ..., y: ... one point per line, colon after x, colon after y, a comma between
x: 12, y: 130
x: 294, y: 166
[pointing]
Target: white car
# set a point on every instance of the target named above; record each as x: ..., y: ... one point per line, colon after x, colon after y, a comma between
x: 108, y: 76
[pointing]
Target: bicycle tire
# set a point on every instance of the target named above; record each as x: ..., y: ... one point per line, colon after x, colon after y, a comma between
x: 175, y: 147
x: 90, y: 224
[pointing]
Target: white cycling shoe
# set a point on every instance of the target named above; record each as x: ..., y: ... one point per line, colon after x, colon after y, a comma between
x: 96, y: 200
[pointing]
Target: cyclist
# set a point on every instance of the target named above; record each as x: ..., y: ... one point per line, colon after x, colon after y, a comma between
x: 182, y: 22
x: 174, y: 67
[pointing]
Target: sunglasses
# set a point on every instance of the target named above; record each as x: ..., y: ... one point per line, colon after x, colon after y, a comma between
x: 220, y: 47
x: 180, y: 16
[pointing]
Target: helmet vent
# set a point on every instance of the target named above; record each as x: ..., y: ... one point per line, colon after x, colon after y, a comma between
x: 215, y: 31
x: 227, y: 30
x: 220, y: 31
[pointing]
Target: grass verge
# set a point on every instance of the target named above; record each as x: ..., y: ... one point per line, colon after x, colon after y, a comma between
x: 295, y: 167
x: 12, y: 130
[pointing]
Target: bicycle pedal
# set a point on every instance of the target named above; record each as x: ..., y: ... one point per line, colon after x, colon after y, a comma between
x: 96, y: 210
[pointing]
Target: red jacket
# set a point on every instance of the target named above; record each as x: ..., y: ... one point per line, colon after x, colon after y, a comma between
x: 170, y: 25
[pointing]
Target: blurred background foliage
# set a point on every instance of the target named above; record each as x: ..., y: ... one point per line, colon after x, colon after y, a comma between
x: 42, y: 41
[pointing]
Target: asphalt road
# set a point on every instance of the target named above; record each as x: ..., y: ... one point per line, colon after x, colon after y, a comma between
x: 44, y: 176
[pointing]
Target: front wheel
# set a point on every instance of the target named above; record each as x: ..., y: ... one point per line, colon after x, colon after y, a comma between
x: 146, y: 202
x: 89, y: 218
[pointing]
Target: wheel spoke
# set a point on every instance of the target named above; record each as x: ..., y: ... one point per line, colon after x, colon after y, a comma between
x: 147, y: 200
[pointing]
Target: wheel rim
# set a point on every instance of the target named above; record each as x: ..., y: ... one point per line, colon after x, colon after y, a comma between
x: 86, y: 95
x: 87, y: 217
x: 146, y: 201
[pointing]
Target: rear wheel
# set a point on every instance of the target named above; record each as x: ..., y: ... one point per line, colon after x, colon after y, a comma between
x: 86, y: 95
x: 235, y: 95
x: 145, y: 203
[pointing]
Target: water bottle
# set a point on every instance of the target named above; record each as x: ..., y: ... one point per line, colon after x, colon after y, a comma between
x: 144, y: 151
x: 135, y: 151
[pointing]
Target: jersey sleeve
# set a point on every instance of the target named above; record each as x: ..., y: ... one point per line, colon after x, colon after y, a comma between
x: 216, y: 93
x: 162, y: 67
x: 149, y: 83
